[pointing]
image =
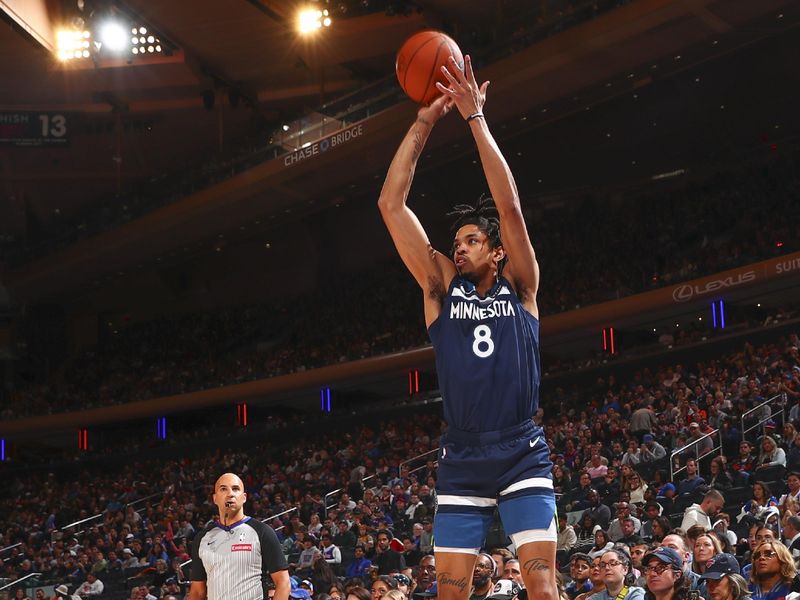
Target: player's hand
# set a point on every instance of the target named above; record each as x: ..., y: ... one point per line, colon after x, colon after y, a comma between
x: 435, y: 110
x: 463, y: 90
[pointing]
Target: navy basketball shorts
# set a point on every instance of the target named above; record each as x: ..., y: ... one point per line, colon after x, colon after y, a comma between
x: 478, y: 472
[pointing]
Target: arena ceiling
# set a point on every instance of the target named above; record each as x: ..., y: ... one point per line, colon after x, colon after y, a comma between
x: 261, y: 73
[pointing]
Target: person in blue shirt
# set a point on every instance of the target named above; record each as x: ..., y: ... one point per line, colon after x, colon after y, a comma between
x: 361, y: 566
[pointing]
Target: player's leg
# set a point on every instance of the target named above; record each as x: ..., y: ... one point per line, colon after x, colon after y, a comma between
x: 527, y: 509
x: 459, y: 530
x: 537, y: 561
x: 454, y: 574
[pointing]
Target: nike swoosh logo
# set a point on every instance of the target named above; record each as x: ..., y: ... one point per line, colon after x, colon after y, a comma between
x: 533, y: 442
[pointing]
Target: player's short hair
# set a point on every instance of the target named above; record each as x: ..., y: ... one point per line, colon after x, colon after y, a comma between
x: 483, y: 214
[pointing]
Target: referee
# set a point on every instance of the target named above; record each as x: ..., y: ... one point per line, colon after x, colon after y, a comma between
x: 232, y: 557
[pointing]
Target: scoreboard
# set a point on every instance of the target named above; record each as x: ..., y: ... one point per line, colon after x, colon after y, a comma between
x: 34, y: 129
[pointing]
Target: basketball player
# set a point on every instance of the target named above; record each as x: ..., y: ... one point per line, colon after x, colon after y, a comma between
x: 481, y: 313
x: 231, y: 557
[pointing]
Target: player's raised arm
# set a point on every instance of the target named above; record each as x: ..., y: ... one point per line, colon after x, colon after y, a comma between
x: 469, y: 98
x: 432, y: 270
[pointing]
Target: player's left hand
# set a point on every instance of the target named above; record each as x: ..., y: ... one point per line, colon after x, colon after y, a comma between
x: 463, y: 90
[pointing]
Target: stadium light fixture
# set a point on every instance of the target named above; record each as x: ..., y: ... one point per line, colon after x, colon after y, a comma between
x: 72, y: 44
x: 311, y: 19
x: 114, y: 36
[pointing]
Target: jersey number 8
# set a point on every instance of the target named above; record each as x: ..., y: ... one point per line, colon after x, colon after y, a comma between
x: 483, y: 345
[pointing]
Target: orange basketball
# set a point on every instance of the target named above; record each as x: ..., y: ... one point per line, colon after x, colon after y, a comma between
x: 419, y: 64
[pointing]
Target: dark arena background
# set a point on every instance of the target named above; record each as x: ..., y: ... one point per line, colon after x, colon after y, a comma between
x: 195, y: 277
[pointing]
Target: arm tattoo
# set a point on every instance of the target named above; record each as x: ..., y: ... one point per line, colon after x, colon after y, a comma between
x: 418, y: 144
x: 536, y: 564
x: 447, y: 579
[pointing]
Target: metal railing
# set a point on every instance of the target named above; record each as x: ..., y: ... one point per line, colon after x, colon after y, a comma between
x: 17, y: 581
x: 102, y: 514
x: 694, y: 444
x: 415, y: 458
x: 332, y: 493
x: 10, y: 547
x: 767, y: 408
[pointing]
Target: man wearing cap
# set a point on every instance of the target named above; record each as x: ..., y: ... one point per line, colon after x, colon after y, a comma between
x: 701, y: 514
x: 723, y: 580
x: 234, y: 555
x: 651, y: 449
x: 663, y: 569
x: 297, y: 591
x: 651, y: 511
x: 128, y: 559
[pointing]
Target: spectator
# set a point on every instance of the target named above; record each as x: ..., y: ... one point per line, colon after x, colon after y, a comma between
x: 513, y: 572
x: 482, y: 583
x: 723, y: 579
x: 706, y: 546
x: 663, y: 570
x: 361, y: 566
x: 703, y: 513
x: 580, y: 568
x: 601, y: 544
x: 720, y: 479
x: 615, y: 529
x: 638, y: 489
x: 600, y: 513
x: 745, y: 463
x: 756, y: 508
x: 596, y: 578
x: 91, y: 588
x: 330, y: 552
x: 633, y: 455
x: 791, y: 535
x: 615, y: 566
x: 651, y: 450
x: 676, y: 539
x: 773, y: 571
x: 567, y: 537
x: 688, y: 486
x: 386, y: 558
x: 771, y: 457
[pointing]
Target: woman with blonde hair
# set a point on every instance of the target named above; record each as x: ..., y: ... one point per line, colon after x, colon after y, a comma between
x: 706, y: 546
x: 773, y: 571
x: 771, y: 454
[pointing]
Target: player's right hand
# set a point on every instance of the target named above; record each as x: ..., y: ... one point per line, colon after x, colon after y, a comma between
x: 435, y: 110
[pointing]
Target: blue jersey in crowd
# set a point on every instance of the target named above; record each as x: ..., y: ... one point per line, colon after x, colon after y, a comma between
x: 487, y: 358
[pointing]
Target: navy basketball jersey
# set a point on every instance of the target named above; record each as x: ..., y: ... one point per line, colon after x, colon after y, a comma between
x: 487, y: 357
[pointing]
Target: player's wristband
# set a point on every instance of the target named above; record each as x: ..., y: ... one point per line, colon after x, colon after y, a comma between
x: 477, y: 115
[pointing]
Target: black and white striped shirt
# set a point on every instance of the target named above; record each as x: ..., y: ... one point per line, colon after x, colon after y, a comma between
x: 236, y: 560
